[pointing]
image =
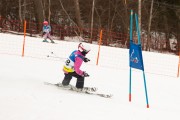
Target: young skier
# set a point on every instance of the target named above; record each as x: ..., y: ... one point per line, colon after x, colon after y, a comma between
x: 46, y: 32
x: 73, y: 64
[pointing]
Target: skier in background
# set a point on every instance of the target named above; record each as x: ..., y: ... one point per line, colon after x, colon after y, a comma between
x: 73, y: 64
x: 46, y: 32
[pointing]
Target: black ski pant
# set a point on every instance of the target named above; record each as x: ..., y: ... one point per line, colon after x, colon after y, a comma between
x: 68, y: 77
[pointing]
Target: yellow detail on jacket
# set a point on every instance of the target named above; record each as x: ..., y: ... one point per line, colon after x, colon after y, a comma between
x: 66, y: 69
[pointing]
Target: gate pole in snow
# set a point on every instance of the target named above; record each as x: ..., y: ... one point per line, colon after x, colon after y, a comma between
x: 100, y: 40
x: 139, y: 42
x: 24, y: 38
x: 135, y: 55
x: 131, y: 39
x: 178, y: 65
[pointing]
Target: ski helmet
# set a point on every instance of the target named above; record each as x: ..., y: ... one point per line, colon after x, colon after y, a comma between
x: 45, y: 23
x: 84, y: 48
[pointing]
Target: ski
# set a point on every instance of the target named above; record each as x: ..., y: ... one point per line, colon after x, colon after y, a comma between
x: 49, y: 42
x: 86, y: 90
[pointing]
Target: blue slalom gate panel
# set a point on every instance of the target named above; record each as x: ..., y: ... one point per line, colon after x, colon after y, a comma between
x: 135, y: 56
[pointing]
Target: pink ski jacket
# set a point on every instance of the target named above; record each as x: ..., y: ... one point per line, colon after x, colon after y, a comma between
x: 74, y: 62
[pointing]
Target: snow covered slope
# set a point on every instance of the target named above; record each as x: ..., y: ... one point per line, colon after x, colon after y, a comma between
x: 23, y: 96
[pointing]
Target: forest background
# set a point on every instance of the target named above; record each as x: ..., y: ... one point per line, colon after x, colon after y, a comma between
x: 159, y: 19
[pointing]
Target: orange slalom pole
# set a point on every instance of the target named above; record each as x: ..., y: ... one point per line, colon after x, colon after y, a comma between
x: 24, y: 38
x: 178, y: 65
x: 100, y: 40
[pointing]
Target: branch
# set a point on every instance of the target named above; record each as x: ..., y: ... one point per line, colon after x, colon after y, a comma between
x: 68, y: 16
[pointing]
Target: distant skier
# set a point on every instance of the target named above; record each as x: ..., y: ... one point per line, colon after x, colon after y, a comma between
x: 73, y: 64
x: 47, y: 31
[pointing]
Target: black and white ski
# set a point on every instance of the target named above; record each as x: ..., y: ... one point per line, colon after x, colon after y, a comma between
x: 86, y: 90
x: 50, y: 42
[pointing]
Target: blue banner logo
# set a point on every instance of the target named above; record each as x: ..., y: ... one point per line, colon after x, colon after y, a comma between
x: 135, y: 56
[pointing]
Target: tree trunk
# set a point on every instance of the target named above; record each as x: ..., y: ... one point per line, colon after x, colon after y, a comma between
x: 49, y: 17
x: 24, y: 13
x: 0, y: 7
x: 92, y: 22
x: 167, y: 33
x: 77, y: 13
x: 39, y: 12
x: 127, y: 23
x: 178, y: 39
x: 139, y: 14
x: 149, y: 28
x: 20, y: 15
x: 178, y: 33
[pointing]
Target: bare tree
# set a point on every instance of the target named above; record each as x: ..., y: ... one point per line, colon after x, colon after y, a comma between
x: 167, y: 32
x: 178, y: 33
x: 77, y: 13
x: 70, y: 18
x: 92, y: 20
x: 66, y: 13
x: 20, y: 11
x: 39, y: 11
x: 149, y: 27
x: 139, y: 14
x: 24, y: 9
x: 49, y: 16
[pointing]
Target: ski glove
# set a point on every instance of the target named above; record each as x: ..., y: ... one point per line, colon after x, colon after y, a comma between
x: 86, y: 60
x: 85, y: 74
